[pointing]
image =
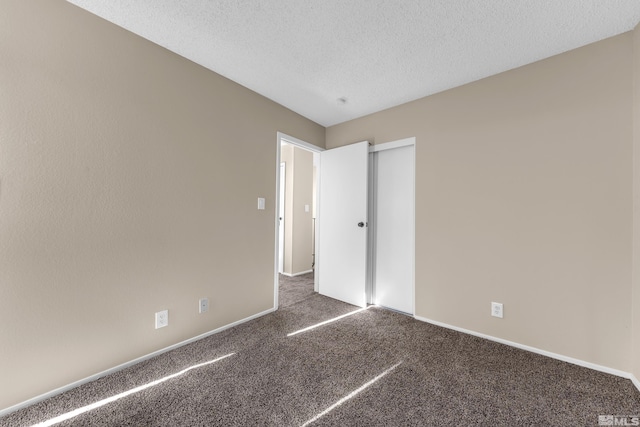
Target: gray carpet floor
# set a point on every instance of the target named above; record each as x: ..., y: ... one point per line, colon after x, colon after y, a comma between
x: 405, y: 373
x: 293, y: 290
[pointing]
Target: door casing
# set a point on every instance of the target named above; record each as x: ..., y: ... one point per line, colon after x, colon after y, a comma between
x: 280, y: 216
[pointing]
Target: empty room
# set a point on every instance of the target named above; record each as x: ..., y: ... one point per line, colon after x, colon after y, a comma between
x: 306, y: 213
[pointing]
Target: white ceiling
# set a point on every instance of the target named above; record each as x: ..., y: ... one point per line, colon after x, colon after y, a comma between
x: 305, y: 54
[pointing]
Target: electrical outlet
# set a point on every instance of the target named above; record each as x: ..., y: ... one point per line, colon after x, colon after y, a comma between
x: 204, y: 305
x: 496, y: 309
x: 162, y: 319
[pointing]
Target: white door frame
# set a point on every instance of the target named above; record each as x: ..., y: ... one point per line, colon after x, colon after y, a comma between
x: 282, y: 137
x: 372, y: 232
x: 281, y: 218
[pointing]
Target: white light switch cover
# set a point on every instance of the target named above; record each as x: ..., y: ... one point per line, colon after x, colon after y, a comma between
x: 261, y: 203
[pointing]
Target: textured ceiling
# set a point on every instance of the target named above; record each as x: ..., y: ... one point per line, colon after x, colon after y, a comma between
x: 375, y: 54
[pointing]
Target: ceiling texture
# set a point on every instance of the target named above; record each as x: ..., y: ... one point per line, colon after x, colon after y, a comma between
x: 336, y: 60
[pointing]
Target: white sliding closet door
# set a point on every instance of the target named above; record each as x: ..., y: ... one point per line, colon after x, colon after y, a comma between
x: 393, y: 228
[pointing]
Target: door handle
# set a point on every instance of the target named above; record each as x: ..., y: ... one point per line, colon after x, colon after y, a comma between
x: 361, y: 224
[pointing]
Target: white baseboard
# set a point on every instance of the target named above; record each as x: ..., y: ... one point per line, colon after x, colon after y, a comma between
x: 297, y: 274
x: 94, y: 377
x: 557, y: 356
x: 635, y: 381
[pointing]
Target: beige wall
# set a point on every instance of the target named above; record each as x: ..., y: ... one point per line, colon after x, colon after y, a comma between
x: 523, y: 196
x: 286, y: 156
x: 303, y: 221
x: 298, y: 248
x: 116, y: 159
x: 636, y: 197
x: 128, y: 184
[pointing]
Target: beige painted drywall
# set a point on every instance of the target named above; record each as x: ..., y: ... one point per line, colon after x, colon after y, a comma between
x: 129, y: 180
x: 523, y: 196
x: 302, y: 220
x: 636, y: 205
x: 298, y: 225
x: 286, y: 156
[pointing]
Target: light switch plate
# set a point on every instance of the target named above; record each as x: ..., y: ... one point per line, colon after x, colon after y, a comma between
x: 261, y: 203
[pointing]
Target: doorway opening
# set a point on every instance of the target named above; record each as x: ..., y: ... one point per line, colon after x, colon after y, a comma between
x: 296, y: 219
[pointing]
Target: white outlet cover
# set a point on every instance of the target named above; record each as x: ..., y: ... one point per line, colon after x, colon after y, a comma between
x: 496, y: 309
x: 162, y: 319
x: 203, y: 305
